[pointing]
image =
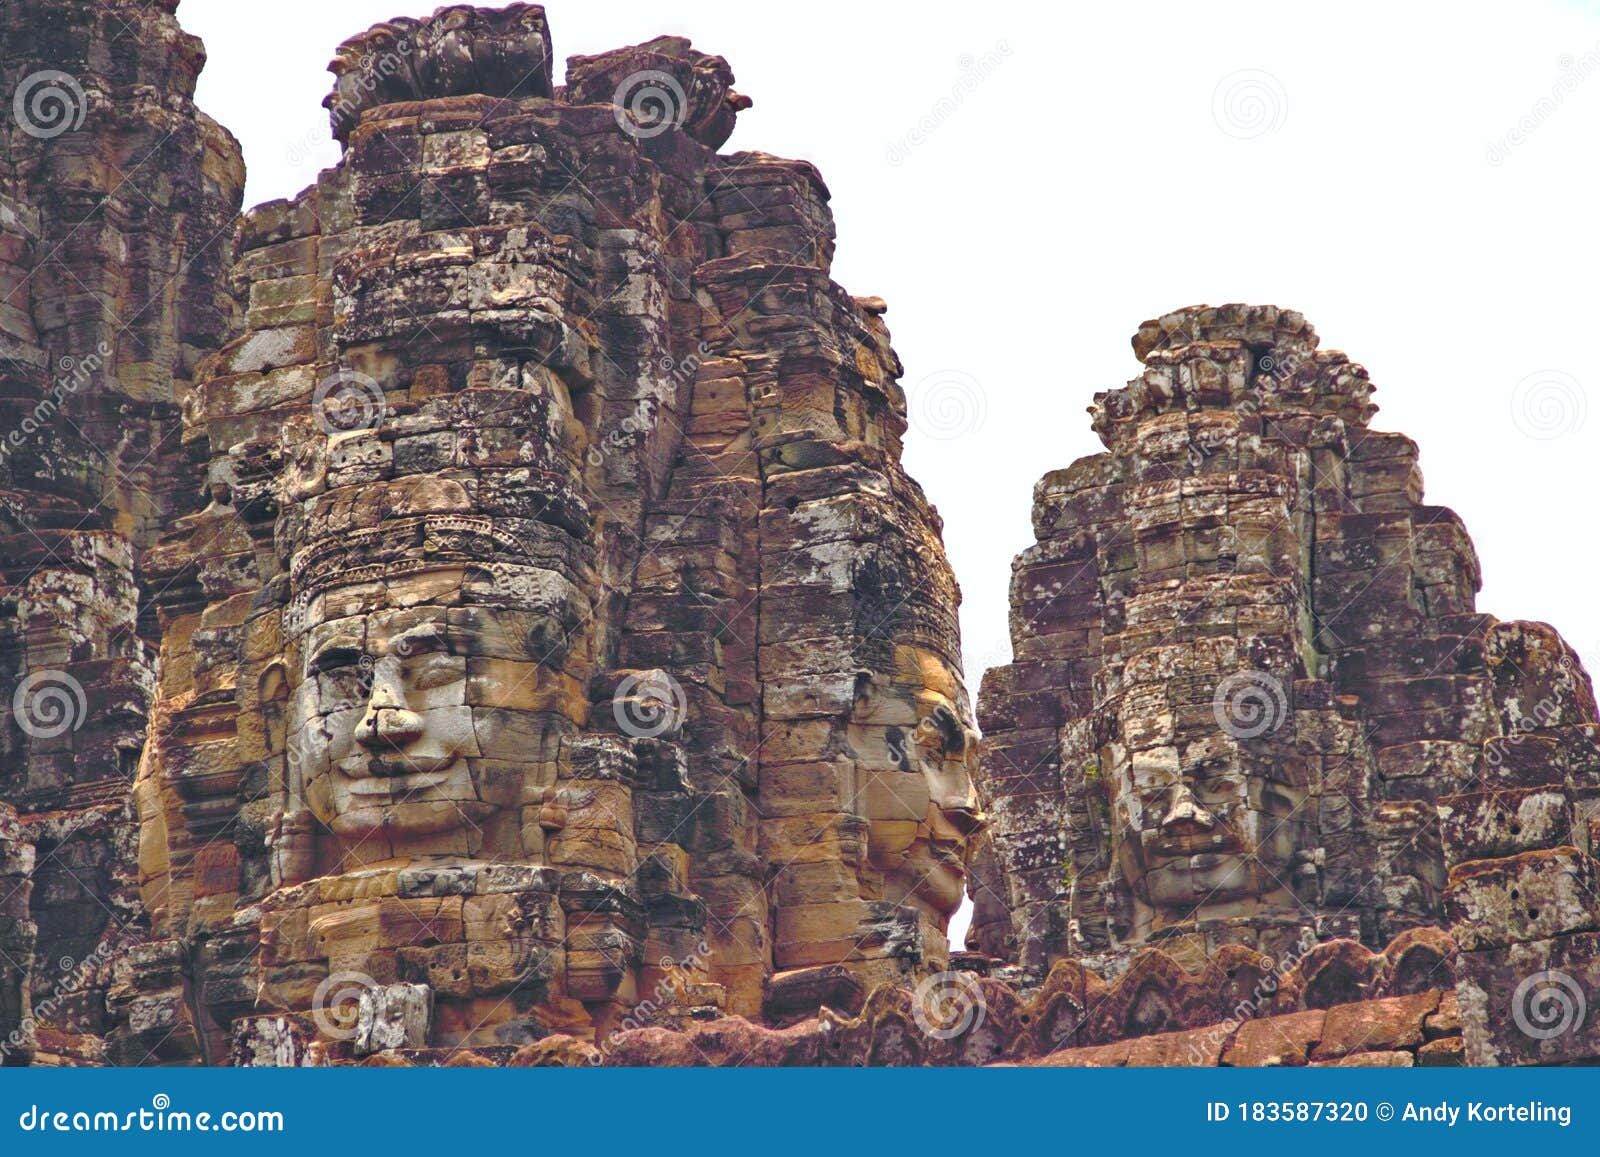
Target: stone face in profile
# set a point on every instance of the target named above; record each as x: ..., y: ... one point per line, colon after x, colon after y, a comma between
x: 915, y: 756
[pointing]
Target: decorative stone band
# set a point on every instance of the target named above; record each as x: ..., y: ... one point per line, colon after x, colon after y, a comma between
x: 1340, y: 1003
x: 409, y: 545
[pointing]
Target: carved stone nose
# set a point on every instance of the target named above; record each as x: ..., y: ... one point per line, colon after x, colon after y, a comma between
x: 388, y: 723
x: 1185, y: 816
x: 388, y: 728
x: 966, y: 820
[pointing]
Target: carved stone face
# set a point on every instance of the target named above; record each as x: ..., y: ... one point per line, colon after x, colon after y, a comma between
x: 1210, y: 840
x: 915, y: 753
x: 442, y: 637
x: 422, y: 725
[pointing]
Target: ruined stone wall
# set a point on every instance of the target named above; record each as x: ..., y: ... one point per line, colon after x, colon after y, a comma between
x: 18, y: 935
x: 117, y: 199
x: 1252, y: 700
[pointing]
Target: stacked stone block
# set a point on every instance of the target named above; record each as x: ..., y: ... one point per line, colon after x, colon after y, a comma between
x: 1522, y: 897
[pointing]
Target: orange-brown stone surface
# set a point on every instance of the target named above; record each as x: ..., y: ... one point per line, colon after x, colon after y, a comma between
x: 473, y: 613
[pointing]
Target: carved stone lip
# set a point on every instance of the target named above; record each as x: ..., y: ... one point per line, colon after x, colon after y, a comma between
x: 388, y: 786
x: 1183, y: 847
x: 373, y: 775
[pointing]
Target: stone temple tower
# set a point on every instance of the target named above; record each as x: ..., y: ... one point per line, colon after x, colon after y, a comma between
x: 1248, y: 664
x: 474, y: 612
x: 562, y: 635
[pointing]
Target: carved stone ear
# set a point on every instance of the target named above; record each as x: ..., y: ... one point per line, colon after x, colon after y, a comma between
x: 291, y: 846
x: 551, y: 637
x: 952, y: 735
x: 272, y: 695
x: 866, y: 695
x: 273, y: 686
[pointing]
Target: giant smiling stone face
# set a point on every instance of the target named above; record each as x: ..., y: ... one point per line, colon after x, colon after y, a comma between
x: 1193, y: 843
x: 427, y: 704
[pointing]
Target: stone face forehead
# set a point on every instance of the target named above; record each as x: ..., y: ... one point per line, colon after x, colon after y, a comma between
x: 545, y: 597
x: 401, y: 545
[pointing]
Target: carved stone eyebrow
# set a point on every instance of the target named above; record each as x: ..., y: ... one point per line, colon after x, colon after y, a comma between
x: 418, y: 640
x: 333, y: 655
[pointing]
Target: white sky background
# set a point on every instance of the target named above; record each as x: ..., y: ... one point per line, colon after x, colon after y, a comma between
x: 1100, y: 176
